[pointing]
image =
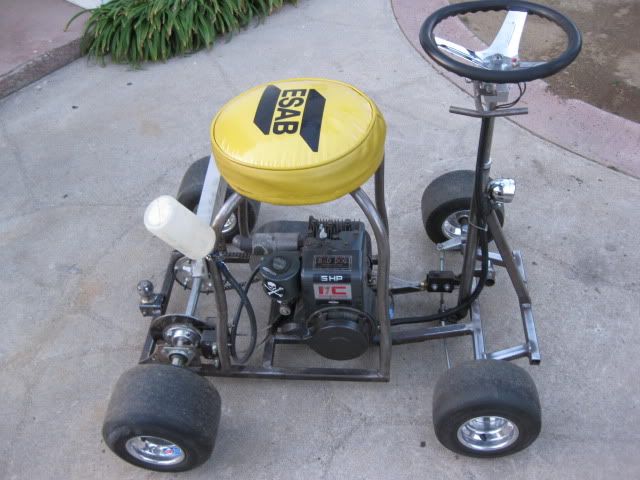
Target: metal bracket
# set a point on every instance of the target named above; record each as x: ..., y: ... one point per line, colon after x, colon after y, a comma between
x: 188, y: 353
x: 450, y: 245
x: 153, y: 308
x: 151, y: 304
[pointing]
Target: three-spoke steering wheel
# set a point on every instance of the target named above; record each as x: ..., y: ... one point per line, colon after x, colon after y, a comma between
x: 499, y: 63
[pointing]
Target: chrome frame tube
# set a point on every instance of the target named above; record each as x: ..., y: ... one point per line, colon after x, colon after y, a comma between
x: 514, y: 265
x: 477, y: 332
x: 382, y: 287
x: 194, y: 295
x: 506, y: 253
x: 379, y: 195
x: 293, y: 373
x: 243, y: 218
x: 222, y: 327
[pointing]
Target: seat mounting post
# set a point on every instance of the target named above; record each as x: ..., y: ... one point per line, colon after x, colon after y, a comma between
x: 382, y: 288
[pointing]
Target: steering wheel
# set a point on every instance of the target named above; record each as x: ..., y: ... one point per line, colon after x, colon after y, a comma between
x: 499, y: 63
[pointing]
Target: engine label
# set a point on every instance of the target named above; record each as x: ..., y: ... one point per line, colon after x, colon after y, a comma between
x: 332, y: 292
x: 273, y: 289
x: 332, y: 262
x: 332, y: 278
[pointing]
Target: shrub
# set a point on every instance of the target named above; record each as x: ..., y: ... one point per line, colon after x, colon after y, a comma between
x: 136, y: 31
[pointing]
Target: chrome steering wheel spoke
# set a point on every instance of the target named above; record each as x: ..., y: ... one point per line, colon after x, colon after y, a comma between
x: 529, y: 64
x: 507, y: 41
x: 460, y: 51
x: 502, y: 54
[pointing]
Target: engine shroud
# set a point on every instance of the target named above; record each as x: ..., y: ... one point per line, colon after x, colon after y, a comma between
x: 336, y: 266
x: 340, y: 333
x: 338, y: 302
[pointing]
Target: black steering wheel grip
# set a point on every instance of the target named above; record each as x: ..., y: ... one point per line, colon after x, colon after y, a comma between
x: 574, y: 44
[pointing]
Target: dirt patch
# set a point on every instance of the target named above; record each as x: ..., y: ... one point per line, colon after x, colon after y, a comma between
x: 607, y: 72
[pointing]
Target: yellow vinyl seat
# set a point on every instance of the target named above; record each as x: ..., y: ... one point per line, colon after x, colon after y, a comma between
x: 298, y: 141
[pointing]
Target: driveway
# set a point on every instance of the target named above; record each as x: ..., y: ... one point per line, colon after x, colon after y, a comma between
x: 84, y: 150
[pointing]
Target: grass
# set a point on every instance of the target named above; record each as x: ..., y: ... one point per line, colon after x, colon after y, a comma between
x: 137, y: 31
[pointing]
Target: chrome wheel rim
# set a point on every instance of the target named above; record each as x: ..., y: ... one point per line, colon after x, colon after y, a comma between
x: 488, y: 434
x: 154, y: 450
x: 452, y: 225
x: 230, y: 224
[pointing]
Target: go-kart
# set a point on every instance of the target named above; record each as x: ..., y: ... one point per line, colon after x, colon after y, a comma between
x: 306, y: 142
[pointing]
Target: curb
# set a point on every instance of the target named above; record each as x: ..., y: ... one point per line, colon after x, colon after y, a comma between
x: 39, y: 67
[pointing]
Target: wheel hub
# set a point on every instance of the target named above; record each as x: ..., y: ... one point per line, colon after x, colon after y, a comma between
x: 452, y: 225
x: 155, y: 450
x: 488, y: 434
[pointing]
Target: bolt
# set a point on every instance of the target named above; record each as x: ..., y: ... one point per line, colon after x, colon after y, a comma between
x: 178, y: 360
x: 216, y: 363
x: 285, y: 310
x: 145, y: 290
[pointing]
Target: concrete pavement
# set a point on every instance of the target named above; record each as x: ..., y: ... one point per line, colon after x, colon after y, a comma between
x: 83, y: 154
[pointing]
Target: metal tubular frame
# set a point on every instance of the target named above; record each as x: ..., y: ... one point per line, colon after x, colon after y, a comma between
x: 484, y: 162
x: 376, y: 214
x: 381, y: 206
x: 222, y: 328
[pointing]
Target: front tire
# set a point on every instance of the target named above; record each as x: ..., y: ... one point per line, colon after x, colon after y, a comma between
x: 163, y: 418
x: 486, y: 408
x: 445, y: 205
x: 189, y: 195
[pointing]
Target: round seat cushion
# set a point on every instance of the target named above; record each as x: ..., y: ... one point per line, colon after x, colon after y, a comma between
x: 298, y: 141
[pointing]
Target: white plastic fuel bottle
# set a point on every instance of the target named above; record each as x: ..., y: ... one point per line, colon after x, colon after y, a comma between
x: 179, y: 227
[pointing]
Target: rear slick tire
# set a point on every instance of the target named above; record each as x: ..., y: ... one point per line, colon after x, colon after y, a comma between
x: 162, y: 417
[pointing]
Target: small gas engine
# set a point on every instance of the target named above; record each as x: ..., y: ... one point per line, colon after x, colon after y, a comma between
x: 319, y: 273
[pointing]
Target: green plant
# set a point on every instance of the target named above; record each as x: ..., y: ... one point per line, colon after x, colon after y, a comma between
x: 136, y: 31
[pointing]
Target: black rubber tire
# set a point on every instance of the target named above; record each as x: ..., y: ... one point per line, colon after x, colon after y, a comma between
x: 191, y: 188
x: 486, y: 388
x: 165, y: 401
x: 446, y: 195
